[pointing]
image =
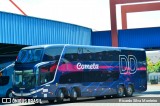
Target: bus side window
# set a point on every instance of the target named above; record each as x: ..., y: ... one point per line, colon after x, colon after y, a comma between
x: 111, y: 55
x: 98, y: 54
x: 87, y: 55
x: 47, y: 58
x: 42, y: 78
x: 52, y: 53
x: 71, y: 54
x: 47, y: 73
x: 53, y: 67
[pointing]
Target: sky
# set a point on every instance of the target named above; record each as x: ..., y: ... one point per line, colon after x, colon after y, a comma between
x: 94, y: 14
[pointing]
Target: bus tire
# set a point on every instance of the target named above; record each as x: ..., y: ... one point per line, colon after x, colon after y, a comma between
x: 51, y: 101
x: 60, y: 96
x: 129, y: 91
x: 9, y: 93
x: 74, y: 95
x: 120, y: 91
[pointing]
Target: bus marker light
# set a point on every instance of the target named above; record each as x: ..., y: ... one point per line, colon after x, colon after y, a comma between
x: 0, y: 74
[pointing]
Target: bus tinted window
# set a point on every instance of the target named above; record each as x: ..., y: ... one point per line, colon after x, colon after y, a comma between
x: 91, y: 54
x: 89, y: 76
x: 75, y: 77
x: 52, y: 53
x: 140, y: 55
x: 29, y: 55
x: 100, y: 76
x: 112, y: 55
x: 100, y: 54
x: 71, y: 54
x: 47, y: 73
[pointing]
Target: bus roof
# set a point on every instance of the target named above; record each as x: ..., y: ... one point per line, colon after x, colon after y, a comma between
x: 44, y: 46
x: 88, y: 46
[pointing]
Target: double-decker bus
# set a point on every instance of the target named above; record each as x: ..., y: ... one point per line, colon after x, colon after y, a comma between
x: 71, y: 71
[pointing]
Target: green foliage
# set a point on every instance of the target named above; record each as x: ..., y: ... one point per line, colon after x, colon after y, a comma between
x: 152, y: 67
x: 157, y: 66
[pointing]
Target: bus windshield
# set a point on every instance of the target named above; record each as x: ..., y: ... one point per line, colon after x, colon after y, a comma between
x: 25, y: 79
x: 29, y: 55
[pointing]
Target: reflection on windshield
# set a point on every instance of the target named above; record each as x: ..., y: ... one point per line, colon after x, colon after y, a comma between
x: 29, y: 55
x: 25, y: 79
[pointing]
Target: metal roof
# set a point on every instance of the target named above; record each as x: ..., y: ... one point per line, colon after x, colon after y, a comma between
x: 25, y: 30
x: 134, y: 38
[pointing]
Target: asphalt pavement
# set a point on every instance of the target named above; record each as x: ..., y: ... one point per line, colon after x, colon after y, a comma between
x: 151, y: 97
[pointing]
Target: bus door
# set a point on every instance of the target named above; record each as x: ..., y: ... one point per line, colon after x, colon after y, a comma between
x: 46, y: 73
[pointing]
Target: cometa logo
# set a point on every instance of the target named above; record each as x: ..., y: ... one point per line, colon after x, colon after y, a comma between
x: 87, y: 66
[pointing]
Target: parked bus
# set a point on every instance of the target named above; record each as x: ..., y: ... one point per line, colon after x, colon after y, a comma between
x: 6, y: 81
x: 70, y: 71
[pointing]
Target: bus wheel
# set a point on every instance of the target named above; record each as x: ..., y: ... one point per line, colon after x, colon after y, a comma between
x: 60, y: 96
x: 9, y: 94
x: 120, y: 91
x: 51, y: 101
x: 74, y: 95
x: 129, y: 91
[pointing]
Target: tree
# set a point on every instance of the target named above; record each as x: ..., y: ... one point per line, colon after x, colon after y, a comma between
x: 150, y: 66
x: 157, y: 66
